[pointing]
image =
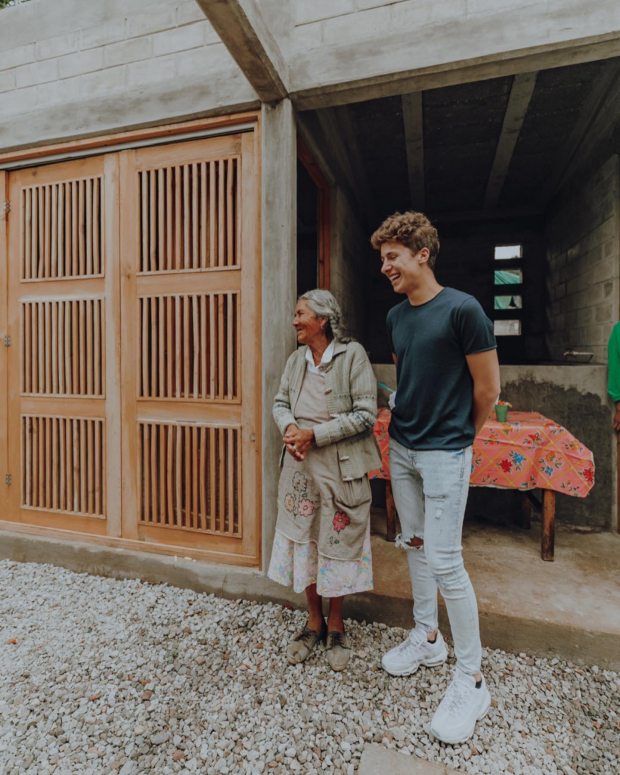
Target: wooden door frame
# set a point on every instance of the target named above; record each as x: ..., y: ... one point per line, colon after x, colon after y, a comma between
x: 4, y: 318
x: 108, y: 142
x: 324, y: 211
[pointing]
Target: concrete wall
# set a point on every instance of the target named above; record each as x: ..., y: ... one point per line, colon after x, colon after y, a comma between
x: 574, y: 396
x: 583, y: 264
x: 70, y: 69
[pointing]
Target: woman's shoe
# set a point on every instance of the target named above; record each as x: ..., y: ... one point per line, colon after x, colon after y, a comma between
x: 338, y: 650
x: 302, y: 645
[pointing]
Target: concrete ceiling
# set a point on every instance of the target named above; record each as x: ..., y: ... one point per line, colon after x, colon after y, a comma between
x: 462, y: 127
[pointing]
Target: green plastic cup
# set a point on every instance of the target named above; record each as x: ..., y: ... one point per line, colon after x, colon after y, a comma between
x: 501, y: 413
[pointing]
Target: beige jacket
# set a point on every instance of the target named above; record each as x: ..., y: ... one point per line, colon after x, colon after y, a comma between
x: 351, y: 389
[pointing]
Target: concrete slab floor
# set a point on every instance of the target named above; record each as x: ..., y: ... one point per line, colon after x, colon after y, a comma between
x: 377, y: 760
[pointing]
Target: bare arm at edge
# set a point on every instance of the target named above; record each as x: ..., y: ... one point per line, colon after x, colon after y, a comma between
x: 484, y: 369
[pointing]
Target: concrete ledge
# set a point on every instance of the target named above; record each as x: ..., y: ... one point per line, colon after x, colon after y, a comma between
x: 522, y: 632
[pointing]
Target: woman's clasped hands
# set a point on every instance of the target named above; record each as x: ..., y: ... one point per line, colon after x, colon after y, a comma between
x: 298, y: 441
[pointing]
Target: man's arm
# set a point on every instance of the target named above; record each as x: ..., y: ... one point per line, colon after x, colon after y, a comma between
x: 484, y: 369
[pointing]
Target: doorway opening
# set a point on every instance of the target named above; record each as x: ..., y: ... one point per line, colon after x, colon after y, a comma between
x: 312, y: 223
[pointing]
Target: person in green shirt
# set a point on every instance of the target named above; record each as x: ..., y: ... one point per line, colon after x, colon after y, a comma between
x: 613, y: 379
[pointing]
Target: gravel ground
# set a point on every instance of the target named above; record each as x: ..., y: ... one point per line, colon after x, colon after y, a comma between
x: 106, y: 676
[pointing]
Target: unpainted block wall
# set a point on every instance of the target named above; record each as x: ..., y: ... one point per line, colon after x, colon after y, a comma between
x: 69, y: 69
x: 343, y: 21
x: 583, y: 265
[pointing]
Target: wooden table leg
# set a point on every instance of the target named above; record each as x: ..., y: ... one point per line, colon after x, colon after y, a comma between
x: 391, y: 512
x: 547, y: 538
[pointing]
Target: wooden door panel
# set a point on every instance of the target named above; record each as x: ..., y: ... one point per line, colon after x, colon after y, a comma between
x: 63, y: 347
x: 188, y: 216
x: 62, y: 229
x: 189, y: 346
x: 63, y: 368
x: 189, y: 291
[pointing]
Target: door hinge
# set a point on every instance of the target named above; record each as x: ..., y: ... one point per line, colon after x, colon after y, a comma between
x: 8, y: 479
x: 6, y: 207
x: 7, y: 341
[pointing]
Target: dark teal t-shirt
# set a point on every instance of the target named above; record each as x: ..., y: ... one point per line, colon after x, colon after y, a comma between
x: 435, y: 390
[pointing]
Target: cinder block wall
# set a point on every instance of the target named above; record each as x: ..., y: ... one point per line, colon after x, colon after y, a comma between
x: 344, y: 21
x: 583, y: 265
x: 68, y: 69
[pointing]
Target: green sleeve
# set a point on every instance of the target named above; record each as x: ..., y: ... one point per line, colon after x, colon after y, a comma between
x: 613, y: 354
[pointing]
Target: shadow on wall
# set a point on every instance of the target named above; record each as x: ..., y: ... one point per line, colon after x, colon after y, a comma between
x: 589, y: 420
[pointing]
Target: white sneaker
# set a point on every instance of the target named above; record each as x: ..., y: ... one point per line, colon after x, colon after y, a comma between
x: 415, y: 651
x: 455, y: 718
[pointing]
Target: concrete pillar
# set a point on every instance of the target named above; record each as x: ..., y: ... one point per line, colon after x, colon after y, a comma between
x: 279, y: 286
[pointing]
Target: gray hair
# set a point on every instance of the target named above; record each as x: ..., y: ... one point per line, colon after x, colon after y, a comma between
x: 325, y: 306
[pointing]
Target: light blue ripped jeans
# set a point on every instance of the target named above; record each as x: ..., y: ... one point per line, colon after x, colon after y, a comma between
x: 430, y: 493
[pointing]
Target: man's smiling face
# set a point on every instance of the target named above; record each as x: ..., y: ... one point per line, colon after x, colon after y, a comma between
x: 402, y: 267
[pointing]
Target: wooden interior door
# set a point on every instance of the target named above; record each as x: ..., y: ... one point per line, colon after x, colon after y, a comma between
x: 63, y: 359
x: 191, y: 346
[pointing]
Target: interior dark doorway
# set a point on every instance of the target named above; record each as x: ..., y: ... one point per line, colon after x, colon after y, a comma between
x: 312, y: 224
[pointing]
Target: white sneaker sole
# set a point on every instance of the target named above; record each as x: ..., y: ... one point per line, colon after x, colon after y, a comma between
x: 470, y: 732
x: 434, y: 662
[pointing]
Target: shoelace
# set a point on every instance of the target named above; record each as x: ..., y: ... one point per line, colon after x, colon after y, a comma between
x: 336, y: 639
x: 306, y: 636
x: 456, y: 696
x: 414, y: 641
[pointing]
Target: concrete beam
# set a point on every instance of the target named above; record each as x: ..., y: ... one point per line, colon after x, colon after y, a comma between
x: 516, y: 110
x: 339, y: 136
x: 279, y: 286
x: 413, y: 121
x: 505, y: 39
x: 605, y: 84
x: 245, y: 34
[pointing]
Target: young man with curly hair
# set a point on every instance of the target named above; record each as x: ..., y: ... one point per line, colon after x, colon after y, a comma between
x: 447, y: 383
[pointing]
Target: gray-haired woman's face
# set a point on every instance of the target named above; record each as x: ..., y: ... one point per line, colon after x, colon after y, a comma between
x: 307, y: 325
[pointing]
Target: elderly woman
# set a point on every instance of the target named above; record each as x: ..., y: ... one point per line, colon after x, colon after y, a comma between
x: 325, y: 409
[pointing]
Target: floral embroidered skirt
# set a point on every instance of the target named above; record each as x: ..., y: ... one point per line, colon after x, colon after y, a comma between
x: 323, y: 526
x: 316, y: 504
x: 302, y: 565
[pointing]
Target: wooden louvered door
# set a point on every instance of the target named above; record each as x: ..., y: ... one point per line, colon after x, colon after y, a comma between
x: 64, y: 354
x: 191, y: 346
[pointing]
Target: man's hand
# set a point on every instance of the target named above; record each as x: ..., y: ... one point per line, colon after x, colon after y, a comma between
x: 298, y: 441
x: 617, y: 418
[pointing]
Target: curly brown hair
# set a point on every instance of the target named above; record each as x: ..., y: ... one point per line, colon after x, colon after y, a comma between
x: 411, y: 229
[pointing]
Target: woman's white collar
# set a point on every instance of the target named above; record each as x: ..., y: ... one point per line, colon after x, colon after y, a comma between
x: 327, y: 357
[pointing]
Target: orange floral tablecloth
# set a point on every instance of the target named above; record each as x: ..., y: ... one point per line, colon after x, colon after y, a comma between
x: 527, y: 452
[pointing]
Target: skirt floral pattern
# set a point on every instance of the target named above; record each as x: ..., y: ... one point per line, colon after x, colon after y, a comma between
x: 301, y: 565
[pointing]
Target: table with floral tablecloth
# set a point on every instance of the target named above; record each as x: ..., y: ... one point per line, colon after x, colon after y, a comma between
x: 527, y: 452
